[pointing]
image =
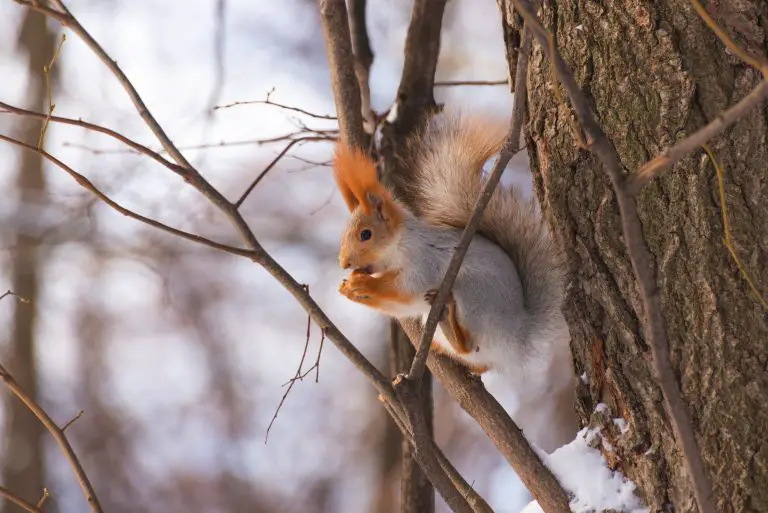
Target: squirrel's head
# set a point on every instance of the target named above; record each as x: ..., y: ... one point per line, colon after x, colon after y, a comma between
x: 376, y: 219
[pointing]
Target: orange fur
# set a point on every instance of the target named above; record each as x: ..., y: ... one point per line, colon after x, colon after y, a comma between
x: 374, y: 291
x: 438, y: 348
x: 356, y: 177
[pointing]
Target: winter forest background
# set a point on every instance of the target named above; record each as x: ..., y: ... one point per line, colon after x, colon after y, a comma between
x: 177, y: 354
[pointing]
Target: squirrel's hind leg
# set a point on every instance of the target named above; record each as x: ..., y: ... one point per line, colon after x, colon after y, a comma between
x: 457, y: 336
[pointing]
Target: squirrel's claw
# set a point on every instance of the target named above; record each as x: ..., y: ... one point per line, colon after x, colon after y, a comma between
x: 355, y: 287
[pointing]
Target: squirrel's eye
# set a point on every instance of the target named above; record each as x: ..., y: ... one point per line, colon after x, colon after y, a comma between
x: 366, y: 234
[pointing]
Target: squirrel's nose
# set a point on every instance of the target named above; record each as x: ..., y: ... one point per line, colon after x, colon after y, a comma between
x: 344, y: 263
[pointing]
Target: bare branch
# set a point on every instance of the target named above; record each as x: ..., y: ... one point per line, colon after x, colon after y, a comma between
x: 267, y: 101
x: 673, y: 155
x: 655, y: 326
x: 495, y: 421
x: 85, y: 183
x: 58, y: 435
x: 407, y: 392
x: 476, y: 502
x: 511, y: 146
x: 670, y: 157
x: 757, y: 63
x: 19, y: 501
x: 9, y: 292
x: 64, y: 16
x: 272, y: 164
x: 44, y: 497
x: 139, y: 148
x: 296, y: 377
x: 422, y: 49
x: 71, y: 421
x: 346, y: 92
x: 361, y: 47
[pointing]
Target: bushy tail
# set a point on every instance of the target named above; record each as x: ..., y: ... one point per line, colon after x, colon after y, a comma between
x: 445, y: 163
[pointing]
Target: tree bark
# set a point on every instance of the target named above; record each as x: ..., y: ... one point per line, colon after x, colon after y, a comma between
x: 654, y: 73
x: 416, y: 492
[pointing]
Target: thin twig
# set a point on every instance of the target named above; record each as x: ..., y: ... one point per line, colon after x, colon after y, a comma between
x: 511, y: 146
x: 51, y: 106
x: 72, y: 421
x: 4, y: 492
x: 272, y: 164
x: 295, y: 378
x: 87, y: 184
x: 650, y: 170
x: 44, y: 497
x: 727, y: 229
x: 9, y: 292
x: 267, y: 101
x: 655, y: 325
x: 760, y: 64
x: 139, y: 148
x: 670, y: 157
x: 58, y: 435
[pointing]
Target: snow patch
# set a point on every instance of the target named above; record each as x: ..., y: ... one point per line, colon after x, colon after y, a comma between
x: 621, y: 424
x: 583, y: 472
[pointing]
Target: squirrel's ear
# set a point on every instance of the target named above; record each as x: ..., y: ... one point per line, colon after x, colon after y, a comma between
x: 378, y: 205
x: 381, y: 203
x: 348, y: 195
x: 355, y: 174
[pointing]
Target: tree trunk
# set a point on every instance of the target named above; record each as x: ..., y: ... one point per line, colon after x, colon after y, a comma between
x: 654, y: 73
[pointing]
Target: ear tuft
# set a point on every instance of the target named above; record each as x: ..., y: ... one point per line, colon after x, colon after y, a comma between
x: 356, y: 177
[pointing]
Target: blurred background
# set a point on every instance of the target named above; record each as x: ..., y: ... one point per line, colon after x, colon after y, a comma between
x: 178, y: 354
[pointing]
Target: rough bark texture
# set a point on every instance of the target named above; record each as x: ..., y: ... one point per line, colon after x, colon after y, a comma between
x: 654, y: 73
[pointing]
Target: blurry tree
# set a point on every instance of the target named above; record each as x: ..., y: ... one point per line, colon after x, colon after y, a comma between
x: 23, y: 468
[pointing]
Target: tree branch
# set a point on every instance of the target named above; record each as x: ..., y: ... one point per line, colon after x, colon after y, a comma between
x: 58, y: 435
x: 361, y: 47
x: 500, y: 428
x: 422, y: 49
x: 140, y: 148
x: 18, y: 501
x: 346, y: 92
x: 654, y: 168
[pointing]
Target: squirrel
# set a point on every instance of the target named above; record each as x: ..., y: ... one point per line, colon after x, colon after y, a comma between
x: 503, y: 316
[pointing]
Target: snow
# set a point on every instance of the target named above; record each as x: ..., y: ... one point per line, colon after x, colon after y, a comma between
x: 583, y: 473
x: 392, y: 116
x: 532, y: 507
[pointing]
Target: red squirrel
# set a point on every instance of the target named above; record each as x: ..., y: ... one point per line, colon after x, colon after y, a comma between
x: 504, y: 315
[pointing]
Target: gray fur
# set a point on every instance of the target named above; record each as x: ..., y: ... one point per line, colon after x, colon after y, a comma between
x: 509, y: 289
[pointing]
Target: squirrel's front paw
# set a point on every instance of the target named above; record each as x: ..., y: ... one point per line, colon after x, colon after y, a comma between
x: 356, y: 287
